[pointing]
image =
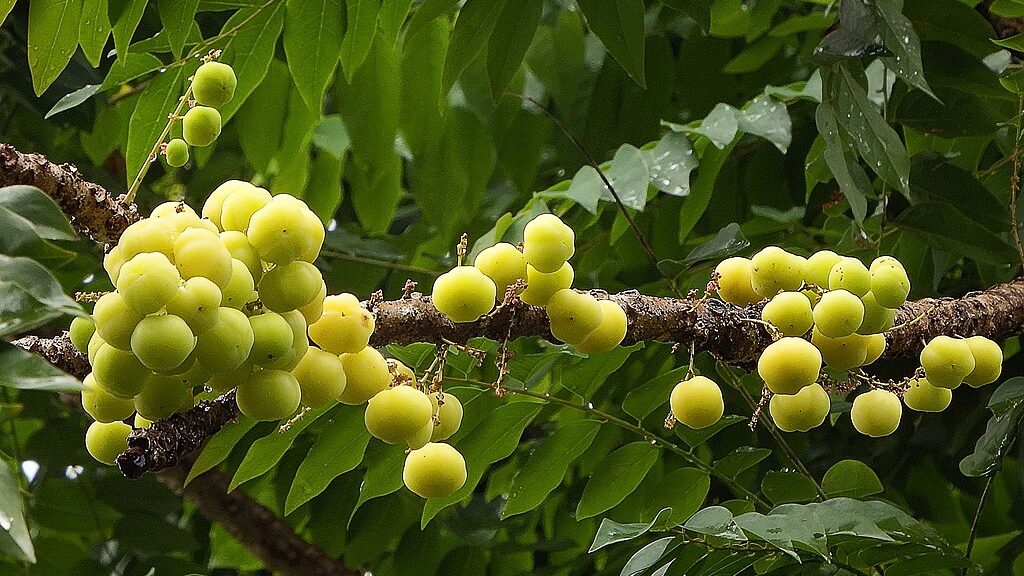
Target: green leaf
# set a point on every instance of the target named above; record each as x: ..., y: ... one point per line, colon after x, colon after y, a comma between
x: 719, y: 126
x: 699, y: 10
x: 619, y: 24
x: 472, y: 29
x: 391, y: 17
x: 266, y: 452
x: 782, y: 487
x: 15, y: 538
x: 683, y: 490
x: 739, y: 460
x: 260, y: 122
x: 900, y: 38
x: 312, y: 41
x: 338, y: 449
x: 1007, y: 405
x: 715, y: 521
x: 630, y: 176
x: 932, y: 221
x: 612, y: 532
x: 157, y: 101
x: 52, y: 39
x: 383, y: 472
x: 586, y: 376
x: 425, y: 14
x: 849, y: 175
x: 547, y: 465
x: 73, y: 99
x: 362, y: 25
x: 1015, y: 42
x: 768, y: 118
x: 127, y: 22
x: 30, y: 296
x: 647, y: 397
x: 852, y: 479
x: 728, y: 241
x: 695, y: 438
x: 754, y: 56
x: 507, y: 47
x: 856, y: 36
x: 94, y: 29
x: 250, y: 50
x: 5, y: 8
x: 670, y: 161
x: 35, y: 206
x: 615, y: 477
x: 27, y: 371
x: 647, y: 556
x: 493, y: 440
x: 219, y: 447
x: 178, y: 17
x: 697, y: 202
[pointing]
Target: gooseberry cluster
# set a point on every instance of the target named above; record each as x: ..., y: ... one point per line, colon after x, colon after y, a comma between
x: 212, y: 87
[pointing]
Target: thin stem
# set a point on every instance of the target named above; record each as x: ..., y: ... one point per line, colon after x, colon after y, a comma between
x: 650, y: 437
x: 155, y: 152
x: 379, y: 263
x: 1015, y: 184
x: 974, y: 523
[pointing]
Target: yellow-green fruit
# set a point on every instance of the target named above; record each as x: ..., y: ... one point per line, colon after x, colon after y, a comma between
x: 282, y: 231
x: 316, y: 234
x: 238, y: 246
x: 874, y: 349
x: 609, y: 333
x: 697, y: 402
x: 115, y: 320
x: 734, y: 281
x: 321, y: 377
x: 818, y: 267
x: 947, y: 361
x: 789, y: 364
x: 988, y: 361
x: 102, y: 406
x: 843, y: 353
x: 201, y: 126
x: 448, y: 413
x: 367, y: 373
x: 838, y: 313
x: 163, y: 396
x: 540, y: 286
x: 240, y: 206
x: 877, y: 318
x: 214, y: 84
x: 434, y: 471
x: 106, y: 441
x: 141, y: 423
x: 221, y: 382
x: 269, y: 395
x: 504, y: 264
x: 548, y: 243
x: 801, y: 411
x: 162, y: 342
x: 112, y: 262
x: 924, y: 397
x: 225, y: 346
x: 148, y: 235
x: 573, y: 315
x: 176, y: 153
x: 197, y: 302
x: 240, y: 289
x: 171, y: 209
x: 213, y: 205
x: 94, y: 346
x: 850, y: 274
x: 876, y: 413
x: 463, y: 294
x: 889, y: 282
x: 421, y: 437
x: 147, y: 282
x: 315, y: 308
x: 789, y: 312
x: 396, y: 414
x: 300, y: 343
x: 119, y: 373
x: 345, y: 326
x: 272, y: 338
x: 81, y: 331
x: 773, y: 270
x: 199, y: 252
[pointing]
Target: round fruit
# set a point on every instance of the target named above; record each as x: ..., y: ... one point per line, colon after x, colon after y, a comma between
x: 876, y: 413
x: 540, y: 286
x: 734, y: 281
x: 790, y: 312
x: 199, y: 252
x: 197, y: 302
x: 171, y: 210
x: 81, y: 331
x: 269, y: 395
x: 115, y: 320
x: 573, y: 315
x: 215, y: 202
x: 282, y: 231
x: 148, y: 235
x: 924, y: 397
x: 504, y: 264
x: 843, y: 353
x: 448, y: 414
x: 106, y: 441
x: 877, y: 319
x: 889, y: 282
x: 214, y: 84
x: 289, y: 286
x: 801, y: 411
x: 609, y: 333
x: 434, y: 471
x: 421, y: 437
x: 314, y: 310
x: 94, y: 346
x: 789, y: 364
x: 272, y: 338
x: 838, y: 313
x: 548, y: 243
x: 321, y: 377
x: 316, y: 233
x: 147, y: 282
x: 163, y: 396
x: 238, y: 246
x: 850, y: 274
x: 818, y: 267
x: 119, y: 373
x: 112, y: 262
x: 104, y: 407
x: 344, y: 327
x: 141, y: 423
x: 221, y: 382
x: 300, y: 343
x: 874, y: 349
x: 176, y: 153
x: 947, y: 361
x: 697, y: 402
x: 201, y: 126
x: 162, y: 342
x: 988, y: 361
x: 463, y: 294
x: 367, y: 373
x: 240, y: 206
x: 240, y: 289
x: 227, y: 345
x: 396, y: 414
x: 773, y: 269
x: 400, y: 373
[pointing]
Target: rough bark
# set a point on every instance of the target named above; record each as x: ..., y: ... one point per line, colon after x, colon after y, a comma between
x: 58, y: 351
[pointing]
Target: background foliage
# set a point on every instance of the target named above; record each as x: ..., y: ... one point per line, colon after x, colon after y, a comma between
x: 863, y: 126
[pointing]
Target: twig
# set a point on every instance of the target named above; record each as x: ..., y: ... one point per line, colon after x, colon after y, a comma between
x: 379, y: 263
x: 974, y: 523
x: 1015, y: 183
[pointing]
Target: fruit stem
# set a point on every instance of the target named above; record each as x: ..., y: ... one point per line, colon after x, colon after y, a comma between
x: 155, y: 152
